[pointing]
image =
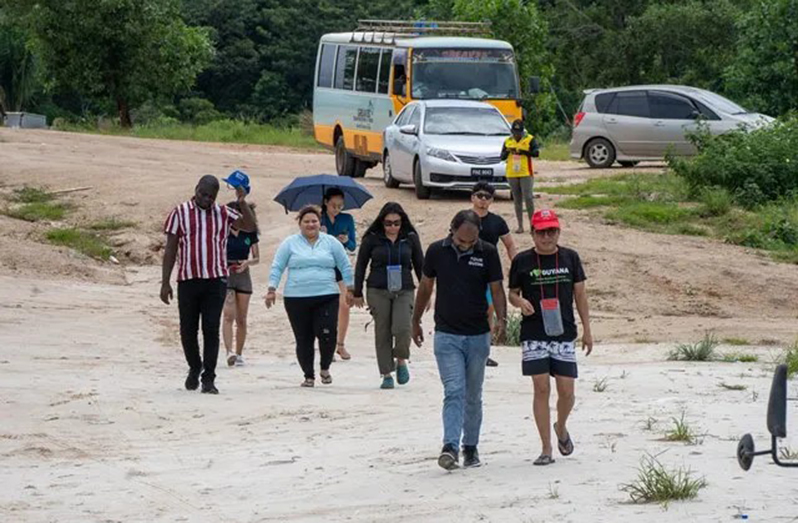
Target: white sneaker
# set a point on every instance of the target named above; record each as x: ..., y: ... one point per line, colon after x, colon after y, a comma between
x: 239, y: 361
x: 231, y: 359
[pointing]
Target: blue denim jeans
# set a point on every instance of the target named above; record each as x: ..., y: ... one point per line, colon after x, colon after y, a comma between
x: 461, y: 365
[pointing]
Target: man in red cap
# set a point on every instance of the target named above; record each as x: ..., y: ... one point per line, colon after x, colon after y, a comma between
x: 544, y: 283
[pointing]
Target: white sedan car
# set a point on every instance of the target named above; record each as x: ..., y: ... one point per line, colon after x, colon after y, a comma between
x: 445, y: 144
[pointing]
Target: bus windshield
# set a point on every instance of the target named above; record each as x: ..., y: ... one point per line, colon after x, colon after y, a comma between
x: 469, y: 74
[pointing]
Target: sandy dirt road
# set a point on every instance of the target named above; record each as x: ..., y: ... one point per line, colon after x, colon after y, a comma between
x: 96, y: 426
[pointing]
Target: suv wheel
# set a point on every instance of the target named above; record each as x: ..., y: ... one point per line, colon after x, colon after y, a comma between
x: 387, y: 173
x: 422, y: 193
x: 599, y: 153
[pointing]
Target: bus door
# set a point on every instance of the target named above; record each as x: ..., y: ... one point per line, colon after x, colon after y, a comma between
x: 399, y: 79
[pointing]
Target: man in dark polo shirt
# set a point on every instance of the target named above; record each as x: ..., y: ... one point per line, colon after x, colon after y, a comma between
x: 492, y: 229
x: 196, y: 237
x: 463, y: 266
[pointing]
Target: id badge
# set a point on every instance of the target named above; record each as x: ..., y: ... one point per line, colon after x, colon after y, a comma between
x: 552, y: 317
x: 516, y: 163
x: 394, y: 278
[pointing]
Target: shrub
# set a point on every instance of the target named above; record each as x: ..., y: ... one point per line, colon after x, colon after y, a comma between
x: 756, y: 166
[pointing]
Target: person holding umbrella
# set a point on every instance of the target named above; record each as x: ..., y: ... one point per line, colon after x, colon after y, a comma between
x: 391, y: 247
x: 311, y: 294
x: 342, y: 226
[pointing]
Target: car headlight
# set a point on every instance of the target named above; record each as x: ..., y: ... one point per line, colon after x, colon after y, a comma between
x: 441, y: 154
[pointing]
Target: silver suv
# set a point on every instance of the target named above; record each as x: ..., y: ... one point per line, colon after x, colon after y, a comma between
x: 644, y: 122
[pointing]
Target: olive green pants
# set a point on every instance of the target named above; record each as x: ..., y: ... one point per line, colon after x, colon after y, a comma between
x: 521, y: 189
x: 392, y: 313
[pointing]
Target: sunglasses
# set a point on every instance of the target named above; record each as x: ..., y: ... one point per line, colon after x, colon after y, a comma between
x: 547, y: 232
x: 483, y: 196
x: 392, y: 223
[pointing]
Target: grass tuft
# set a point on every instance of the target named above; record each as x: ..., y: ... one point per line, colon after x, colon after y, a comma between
x: 681, y: 431
x: 111, y: 224
x: 736, y: 342
x: 729, y: 386
x: 790, y: 358
x: 656, y: 484
x: 600, y: 385
x: 31, y: 195
x: 38, y: 211
x: 734, y: 357
x: 703, y: 350
x: 85, y: 242
x: 513, y: 330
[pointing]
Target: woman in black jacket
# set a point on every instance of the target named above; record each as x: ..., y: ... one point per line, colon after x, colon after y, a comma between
x: 392, y: 248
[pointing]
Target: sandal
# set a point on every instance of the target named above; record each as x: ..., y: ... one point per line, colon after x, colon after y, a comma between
x: 326, y: 378
x: 309, y: 382
x: 341, y: 350
x: 543, y: 459
x: 565, y: 446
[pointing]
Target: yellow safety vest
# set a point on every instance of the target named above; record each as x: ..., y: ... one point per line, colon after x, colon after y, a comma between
x: 519, y: 165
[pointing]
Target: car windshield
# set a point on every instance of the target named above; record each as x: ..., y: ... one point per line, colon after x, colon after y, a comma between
x: 471, y: 74
x: 722, y: 104
x: 465, y: 120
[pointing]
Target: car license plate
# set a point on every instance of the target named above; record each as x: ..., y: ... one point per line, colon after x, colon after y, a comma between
x: 481, y: 171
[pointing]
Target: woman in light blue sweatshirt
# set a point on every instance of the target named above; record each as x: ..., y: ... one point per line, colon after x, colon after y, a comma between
x: 311, y: 294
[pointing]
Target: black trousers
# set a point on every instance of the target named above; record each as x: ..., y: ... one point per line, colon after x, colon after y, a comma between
x: 313, y: 318
x: 201, y: 299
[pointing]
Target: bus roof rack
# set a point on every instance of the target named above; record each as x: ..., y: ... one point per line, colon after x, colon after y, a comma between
x: 386, y: 31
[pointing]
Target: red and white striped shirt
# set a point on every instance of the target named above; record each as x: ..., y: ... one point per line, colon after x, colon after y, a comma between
x: 202, y: 239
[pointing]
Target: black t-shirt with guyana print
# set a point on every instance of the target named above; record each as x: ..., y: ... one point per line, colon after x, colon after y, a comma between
x: 562, y: 269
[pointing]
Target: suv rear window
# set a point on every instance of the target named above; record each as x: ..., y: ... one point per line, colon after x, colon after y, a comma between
x: 603, y: 101
x: 630, y: 103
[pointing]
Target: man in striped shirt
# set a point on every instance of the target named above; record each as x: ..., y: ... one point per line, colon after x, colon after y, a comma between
x: 196, y: 237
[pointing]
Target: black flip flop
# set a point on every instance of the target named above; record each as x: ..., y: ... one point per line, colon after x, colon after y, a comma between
x: 543, y: 460
x: 565, y: 446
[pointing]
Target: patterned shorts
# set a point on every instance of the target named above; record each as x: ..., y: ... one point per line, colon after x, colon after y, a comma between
x: 557, y: 358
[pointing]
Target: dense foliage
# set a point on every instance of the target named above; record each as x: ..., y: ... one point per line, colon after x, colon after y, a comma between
x: 202, y: 60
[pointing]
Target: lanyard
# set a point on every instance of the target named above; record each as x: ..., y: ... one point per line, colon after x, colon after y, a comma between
x: 556, y: 275
x: 390, y: 250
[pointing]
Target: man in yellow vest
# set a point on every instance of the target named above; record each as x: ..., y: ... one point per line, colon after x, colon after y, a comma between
x: 518, y: 150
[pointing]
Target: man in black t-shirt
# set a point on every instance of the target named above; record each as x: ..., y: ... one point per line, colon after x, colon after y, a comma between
x: 492, y: 229
x: 544, y: 283
x: 463, y: 266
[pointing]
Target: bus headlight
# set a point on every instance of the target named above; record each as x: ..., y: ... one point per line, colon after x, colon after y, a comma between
x: 441, y: 154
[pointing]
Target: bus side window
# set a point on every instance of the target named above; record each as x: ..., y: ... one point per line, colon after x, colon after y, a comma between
x: 399, y: 60
x: 399, y: 80
x: 385, y: 71
x: 367, y: 66
x: 326, y: 61
x: 345, y: 67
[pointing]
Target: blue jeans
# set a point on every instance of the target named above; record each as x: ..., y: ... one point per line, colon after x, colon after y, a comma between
x: 461, y: 365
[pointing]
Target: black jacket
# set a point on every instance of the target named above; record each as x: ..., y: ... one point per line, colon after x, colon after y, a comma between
x: 374, y: 250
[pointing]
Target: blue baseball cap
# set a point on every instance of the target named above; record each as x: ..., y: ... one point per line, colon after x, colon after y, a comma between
x: 238, y: 179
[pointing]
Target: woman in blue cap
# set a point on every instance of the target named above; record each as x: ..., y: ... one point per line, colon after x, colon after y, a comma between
x: 341, y: 225
x: 242, y: 253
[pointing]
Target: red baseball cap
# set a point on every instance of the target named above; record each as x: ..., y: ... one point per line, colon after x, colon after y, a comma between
x: 545, y: 219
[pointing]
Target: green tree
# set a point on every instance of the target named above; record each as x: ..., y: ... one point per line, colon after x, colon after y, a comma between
x: 266, y: 49
x: 20, y: 72
x: 128, y: 51
x: 764, y: 73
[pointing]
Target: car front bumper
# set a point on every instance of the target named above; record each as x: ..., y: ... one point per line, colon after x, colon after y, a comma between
x: 461, y: 175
